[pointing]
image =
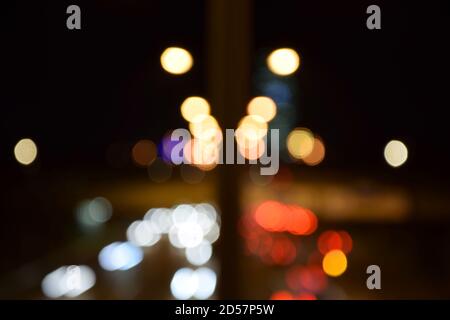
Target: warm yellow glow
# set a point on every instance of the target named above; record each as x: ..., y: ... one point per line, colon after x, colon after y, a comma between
x: 25, y: 151
x: 250, y: 130
x: 317, y: 154
x: 204, y: 127
x: 187, y: 151
x: 193, y: 107
x: 207, y: 167
x: 176, y: 60
x: 201, y: 153
x: 300, y: 143
x: 253, y: 152
x: 283, y: 61
x: 334, y: 263
x: 263, y: 107
x: 395, y: 153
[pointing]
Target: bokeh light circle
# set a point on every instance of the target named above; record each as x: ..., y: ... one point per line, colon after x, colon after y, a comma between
x: 395, y: 153
x: 176, y: 60
x: 334, y: 263
x: 25, y: 151
x: 283, y: 62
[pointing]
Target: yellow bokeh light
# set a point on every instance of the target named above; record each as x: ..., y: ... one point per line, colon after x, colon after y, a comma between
x: 25, y: 151
x: 334, y: 263
x: 250, y: 130
x: 283, y: 61
x: 176, y: 60
x: 204, y: 127
x: 317, y: 154
x: 395, y: 153
x: 193, y: 107
x: 264, y: 107
x: 300, y: 143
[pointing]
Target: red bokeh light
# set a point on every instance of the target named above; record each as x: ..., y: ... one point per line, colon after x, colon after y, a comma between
x: 347, y: 242
x: 334, y: 240
x: 306, y: 296
x: 286, y: 295
x: 282, y: 295
x: 313, y: 279
x: 310, y: 278
x: 315, y: 258
x: 283, y: 251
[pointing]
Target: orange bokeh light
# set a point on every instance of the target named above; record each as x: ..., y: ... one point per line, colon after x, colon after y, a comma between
x: 334, y: 263
x: 277, y: 217
x: 144, y: 153
x: 301, y: 221
x: 271, y: 215
x: 317, y: 154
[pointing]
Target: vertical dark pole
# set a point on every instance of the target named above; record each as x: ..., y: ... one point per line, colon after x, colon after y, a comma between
x: 228, y: 23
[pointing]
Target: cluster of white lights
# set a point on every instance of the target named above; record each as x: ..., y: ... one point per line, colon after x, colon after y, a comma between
x: 198, y: 284
x: 68, y: 281
x: 190, y: 227
x: 199, y: 254
x: 142, y: 233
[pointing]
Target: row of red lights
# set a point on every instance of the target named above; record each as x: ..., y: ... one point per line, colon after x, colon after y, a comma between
x: 268, y: 231
x: 274, y: 216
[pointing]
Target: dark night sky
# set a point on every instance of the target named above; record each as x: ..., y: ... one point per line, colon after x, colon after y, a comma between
x: 80, y: 91
x: 76, y: 92
x: 359, y: 87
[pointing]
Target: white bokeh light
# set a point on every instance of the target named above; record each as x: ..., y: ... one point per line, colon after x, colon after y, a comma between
x: 183, y: 213
x: 68, y: 281
x: 141, y: 233
x: 199, y: 284
x: 173, y: 238
x: 93, y: 213
x: 213, y: 234
x: 160, y: 218
x: 200, y: 254
x: 206, y: 283
x: 120, y: 256
x: 184, y: 284
x: 190, y: 234
x: 395, y: 153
